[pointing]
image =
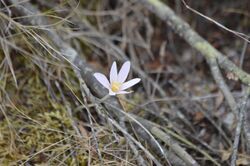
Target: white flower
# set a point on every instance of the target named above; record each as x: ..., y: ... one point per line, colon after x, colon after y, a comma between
x: 117, y: 84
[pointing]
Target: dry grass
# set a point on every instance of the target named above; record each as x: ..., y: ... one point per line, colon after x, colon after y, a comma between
x: 46, y: 118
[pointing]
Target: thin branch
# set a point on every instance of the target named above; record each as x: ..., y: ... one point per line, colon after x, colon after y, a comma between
x: 239, y: 34
x: 135, y: 141
x: 239, y: 127
x: 138, y: 157
x: 222, y: 85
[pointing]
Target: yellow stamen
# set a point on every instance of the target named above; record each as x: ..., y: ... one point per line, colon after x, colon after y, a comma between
x: 115, y: 86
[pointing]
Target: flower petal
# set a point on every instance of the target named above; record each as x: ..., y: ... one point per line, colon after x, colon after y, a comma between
x: 123, y: 73
x: 113, y: 72
x: 102, y: 79
x: 123, y: 92
x: 130, y: 83
x: 111, y: 93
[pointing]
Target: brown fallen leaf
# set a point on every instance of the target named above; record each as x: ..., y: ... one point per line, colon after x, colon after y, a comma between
x: 242, y: 161
x: 225, y: 155
x: 232, y: 76
x: 198, y: 116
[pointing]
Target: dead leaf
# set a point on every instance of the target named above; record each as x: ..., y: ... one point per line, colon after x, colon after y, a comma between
x: 242, y: 161
x: 198, y: 116
x: 232, y: 76
x: 225, y: 155
x: 83, y: 131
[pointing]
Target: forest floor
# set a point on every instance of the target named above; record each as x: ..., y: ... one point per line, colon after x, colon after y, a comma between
x: 186, y: 110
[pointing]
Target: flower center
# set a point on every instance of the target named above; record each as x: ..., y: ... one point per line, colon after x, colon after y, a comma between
x: 115, y: 86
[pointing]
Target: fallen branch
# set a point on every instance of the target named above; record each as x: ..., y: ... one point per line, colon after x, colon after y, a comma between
x: 241, y: 114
